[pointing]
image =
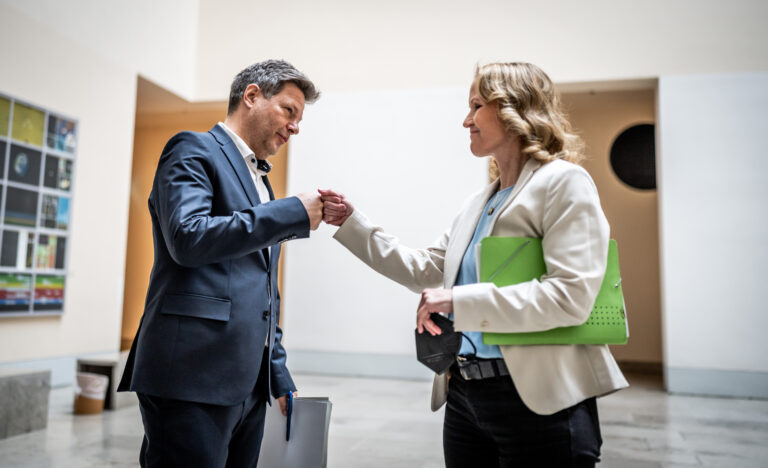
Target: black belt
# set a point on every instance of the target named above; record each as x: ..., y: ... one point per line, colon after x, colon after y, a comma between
x: 472, y: 368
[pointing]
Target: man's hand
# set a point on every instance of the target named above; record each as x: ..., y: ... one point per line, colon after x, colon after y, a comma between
x: 433, y: 300
x: 314, y: 206
x: 283, y: 403
x: 336, y: 208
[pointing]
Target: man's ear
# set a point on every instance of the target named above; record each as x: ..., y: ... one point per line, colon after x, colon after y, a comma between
x: 251, y: 94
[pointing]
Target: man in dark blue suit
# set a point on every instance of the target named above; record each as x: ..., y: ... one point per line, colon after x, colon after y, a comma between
x: 207, y: 355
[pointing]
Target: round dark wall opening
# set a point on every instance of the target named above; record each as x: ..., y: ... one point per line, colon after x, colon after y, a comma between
x: 633, y: 157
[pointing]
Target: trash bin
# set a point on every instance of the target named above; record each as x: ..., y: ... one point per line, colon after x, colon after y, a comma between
x: 90, y: 391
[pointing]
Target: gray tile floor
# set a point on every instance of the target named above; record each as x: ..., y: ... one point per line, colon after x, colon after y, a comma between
x: 387, y: 423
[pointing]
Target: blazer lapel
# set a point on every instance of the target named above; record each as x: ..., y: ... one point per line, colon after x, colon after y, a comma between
x: 465, y: 227
x: 525, y: 176
x: 462, y: 235
x: 236, y: 161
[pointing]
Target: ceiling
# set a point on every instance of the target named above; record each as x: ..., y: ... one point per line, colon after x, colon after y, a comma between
x: 154, y: 99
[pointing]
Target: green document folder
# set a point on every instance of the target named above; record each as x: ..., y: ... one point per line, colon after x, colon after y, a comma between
x: 505, y: 261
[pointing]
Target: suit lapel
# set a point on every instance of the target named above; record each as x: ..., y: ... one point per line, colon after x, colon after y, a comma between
x: 269, y: 187
x: 270, y: 252
x: 237, y: 162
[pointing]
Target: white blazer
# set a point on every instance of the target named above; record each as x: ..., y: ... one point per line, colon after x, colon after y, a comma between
x: 556, y: 202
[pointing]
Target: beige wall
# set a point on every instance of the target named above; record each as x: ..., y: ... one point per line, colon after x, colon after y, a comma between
x: 47, y: 69
x: 633, y: 214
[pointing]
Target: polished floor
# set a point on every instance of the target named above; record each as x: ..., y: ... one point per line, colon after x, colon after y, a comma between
x: 387, y: 423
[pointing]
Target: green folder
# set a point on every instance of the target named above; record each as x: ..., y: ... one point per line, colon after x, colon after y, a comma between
x: 505, y: 261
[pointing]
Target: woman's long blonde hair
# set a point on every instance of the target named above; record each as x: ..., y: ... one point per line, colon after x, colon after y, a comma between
x: 529, y: 108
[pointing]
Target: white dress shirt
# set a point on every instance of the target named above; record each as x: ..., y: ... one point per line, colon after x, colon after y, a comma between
x: 256, y: 176
x: 252, y: 163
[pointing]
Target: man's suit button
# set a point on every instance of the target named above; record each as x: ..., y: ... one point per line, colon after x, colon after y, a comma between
x: 484, y: 323
x: 265, y: 314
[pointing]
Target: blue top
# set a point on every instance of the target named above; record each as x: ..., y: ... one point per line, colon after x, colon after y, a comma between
x: 468, y: 272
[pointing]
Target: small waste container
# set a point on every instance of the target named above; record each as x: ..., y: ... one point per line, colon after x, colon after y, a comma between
x: 90, y: 391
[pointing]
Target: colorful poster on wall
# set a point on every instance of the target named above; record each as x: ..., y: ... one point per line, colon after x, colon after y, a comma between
x: 61, y: 134
x: 46, y: 252
x: 62, y: 214
x: 58, y: 173
x: 28, y: 124
x: 37, y: 151
x: 50, y: 252
x: 61, y: 252
x: 5, y: 112
x: 9, y: 249
x: 17, y: 249
x: 54, y: 213
x: 24, y: 165
x: 20, y: 207
x: 49, y: 293
x: 15, y: 292
x: 2, y: 159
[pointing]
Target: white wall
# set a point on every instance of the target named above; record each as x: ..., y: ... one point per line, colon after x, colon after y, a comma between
x: 714, y: 232
x: 401, y: 44
x: 403, y: 159
x: 156, y: 39
x: 47, y: 69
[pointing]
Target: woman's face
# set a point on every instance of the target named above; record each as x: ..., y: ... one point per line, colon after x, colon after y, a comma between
x: 486, y: 132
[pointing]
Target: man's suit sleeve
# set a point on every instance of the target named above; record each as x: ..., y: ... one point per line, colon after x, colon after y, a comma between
x: 184, y: 201
x: 282, y: 383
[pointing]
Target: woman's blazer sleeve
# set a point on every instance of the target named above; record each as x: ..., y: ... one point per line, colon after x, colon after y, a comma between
x: 415, y: 269
x: 575, y: 243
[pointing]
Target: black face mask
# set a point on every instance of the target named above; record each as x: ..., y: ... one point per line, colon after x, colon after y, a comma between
x: 438, y: 352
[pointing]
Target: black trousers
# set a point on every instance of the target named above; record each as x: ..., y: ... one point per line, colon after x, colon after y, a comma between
x: 188, y: 434
x: 488, y: 425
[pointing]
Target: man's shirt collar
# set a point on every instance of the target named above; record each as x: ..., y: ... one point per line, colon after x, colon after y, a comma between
x: 259, y: 166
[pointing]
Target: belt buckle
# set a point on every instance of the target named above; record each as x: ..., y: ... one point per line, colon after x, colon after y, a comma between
x: 473, y: 369
x: 469, y: 369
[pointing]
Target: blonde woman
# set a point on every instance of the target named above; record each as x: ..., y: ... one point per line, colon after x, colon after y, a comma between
x: 530, y: 405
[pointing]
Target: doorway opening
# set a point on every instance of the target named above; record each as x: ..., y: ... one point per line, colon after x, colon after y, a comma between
x: 600, y: 112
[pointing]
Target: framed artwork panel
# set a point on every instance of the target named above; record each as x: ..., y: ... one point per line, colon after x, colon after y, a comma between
x: 37, y: 158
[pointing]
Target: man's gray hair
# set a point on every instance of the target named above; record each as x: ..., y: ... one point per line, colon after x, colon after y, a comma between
x: 270, y: 76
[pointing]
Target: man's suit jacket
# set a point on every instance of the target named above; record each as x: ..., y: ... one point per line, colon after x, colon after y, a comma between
x: 212, y: 301
x: 556, y: 202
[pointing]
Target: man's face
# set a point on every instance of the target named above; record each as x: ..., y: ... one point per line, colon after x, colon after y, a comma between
x: 271, y: 122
